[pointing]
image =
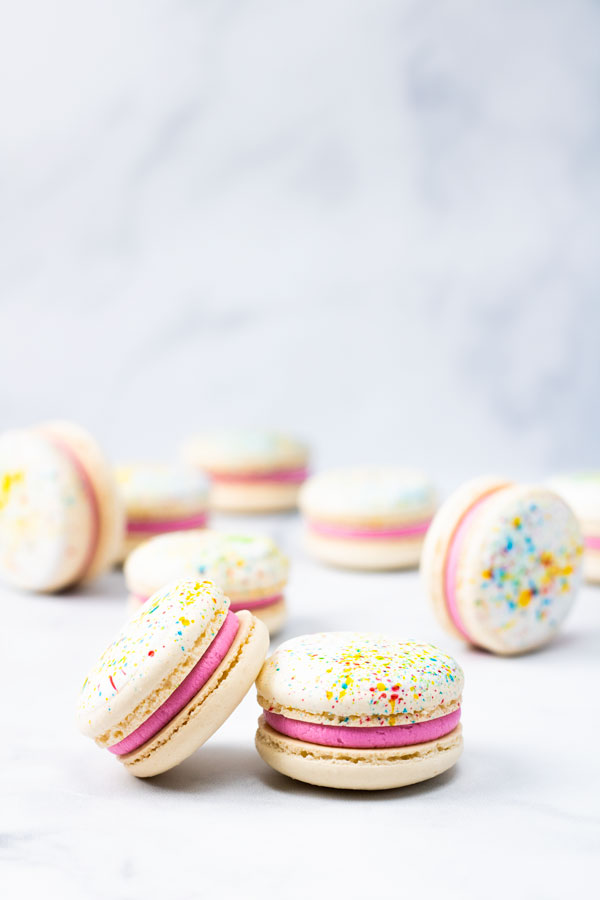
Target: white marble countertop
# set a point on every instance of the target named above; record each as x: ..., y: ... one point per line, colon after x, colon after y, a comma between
x: 519, y: 815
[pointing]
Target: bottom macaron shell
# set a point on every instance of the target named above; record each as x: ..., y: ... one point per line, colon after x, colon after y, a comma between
x: 211, y: 706
x: 360, y: 770
x: 373, y: 554
x: 253, y: 497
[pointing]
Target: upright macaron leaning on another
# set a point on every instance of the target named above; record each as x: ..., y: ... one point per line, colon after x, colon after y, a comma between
x: 359, y: 711
x: 251, y: 471
x: 161, y: 497
x: 369, y: 517
x: 502, y: 564
x: 61, y: 516
x: 251, y: 569
x: 581, y: 490
x: 172, y: 676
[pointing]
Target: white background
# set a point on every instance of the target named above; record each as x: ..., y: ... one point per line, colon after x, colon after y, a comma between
x: 375, y: 223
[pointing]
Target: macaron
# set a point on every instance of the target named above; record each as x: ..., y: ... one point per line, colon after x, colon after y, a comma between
x: 359, y: 711
x: 251, y: 471
x: 502, y: 564
x: 581, y: 490
x: 61, y: 517
x: 250, y: 569
x: 171, y: 677
x: 161, y: 497
x: 370, y: 517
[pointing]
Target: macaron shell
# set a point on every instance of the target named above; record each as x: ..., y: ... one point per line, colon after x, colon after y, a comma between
x: 162, y: 490
x: 349, y: 769
x: 273, y: 616
x: 150, y: 656
x: 439, y: 536
x: 591, y: 565
x: 371, y: 554
x: 110, y: 504
x: 258, y: 497
x: 520, y: 569
x: 582, y: 492
x: 244, y: 450
x: 46, y: 525
x: 210, y: 708
x: 372, y: 496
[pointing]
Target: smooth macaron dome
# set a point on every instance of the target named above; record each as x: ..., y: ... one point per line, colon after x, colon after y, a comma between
x: 251, y: 569
x: 251, y: 470
x: 161, y: 497
x: 369, y: 516
x: 502, y: 564
x: 581, y: 490
x: 61, y: 517
x: 170, y: 678
x: 341, y: 709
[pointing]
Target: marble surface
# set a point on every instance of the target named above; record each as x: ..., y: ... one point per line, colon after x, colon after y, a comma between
x: 519, y: 815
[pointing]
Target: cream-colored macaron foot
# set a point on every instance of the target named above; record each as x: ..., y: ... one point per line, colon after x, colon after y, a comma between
x: 211, y: 706
x: 372, y: 554
x: 591, y: 565
x: 253, y: 498
x: 359, y: 770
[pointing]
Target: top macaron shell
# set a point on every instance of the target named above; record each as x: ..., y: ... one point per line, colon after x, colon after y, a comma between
x: 159, y: 645
x: 46, y: 524
x: 348, y: 678
x: 243, y: 565
x: 151, y: 488
x: 581, y: 491
x: 245, y: 451
x: 368, y: 495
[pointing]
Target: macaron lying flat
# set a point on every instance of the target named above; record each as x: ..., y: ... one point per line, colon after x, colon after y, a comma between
x: 161, y: 497
x: 582, y: 492
x: 61, y: 517
x: 172, y: 676
x: 250, y: 470
x: 359, y: 711
x: 250, y: 569
x: 502, y: 564
x: 371, y: 517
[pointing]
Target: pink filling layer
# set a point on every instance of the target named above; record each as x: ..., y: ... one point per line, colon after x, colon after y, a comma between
x: 452, y: 561
x: 186, y: 691
x: 369, y: 737
x: 236, y: 607
x: 344, y: 531
x: 92, y: 498
x: 290, y: 476
x: 592, y: 543
x: 159, y: 526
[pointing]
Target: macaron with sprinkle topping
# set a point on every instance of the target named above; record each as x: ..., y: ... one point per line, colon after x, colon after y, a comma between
x: 61, y: 516
x: 251, y: 569
x: 250, y: 470
x: 581, y: 490
x: 359, y: 711
x: 171, y: 677
x: 368, y: 517
x: 502, y: 564
x: 159, y: 498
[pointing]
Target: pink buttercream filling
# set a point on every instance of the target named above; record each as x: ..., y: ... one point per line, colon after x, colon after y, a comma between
x: 238, y: 605
x: 452, y: 561
x: 159, y: 526
x: 331, y: 529
x: 592, y: 543
x: 291, y: 476
x: 187, y: 690
x: 368, y: 737
x: 91, y: 495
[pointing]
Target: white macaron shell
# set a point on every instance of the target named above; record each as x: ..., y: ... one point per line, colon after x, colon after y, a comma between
x: 359, y: 679
x: 151, y: 489
x: 245, y: 450
x: 582, y: 492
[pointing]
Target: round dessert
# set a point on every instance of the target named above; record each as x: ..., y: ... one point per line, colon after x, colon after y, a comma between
x: 61, y: 517
x: 582, y: 492
x: 251, y: 570
x: 502, y: 564
x: 161, y: 497
x: 359, y: 711
x: 372, y: 517
x: 172, y: 676
x: 250, y: 471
